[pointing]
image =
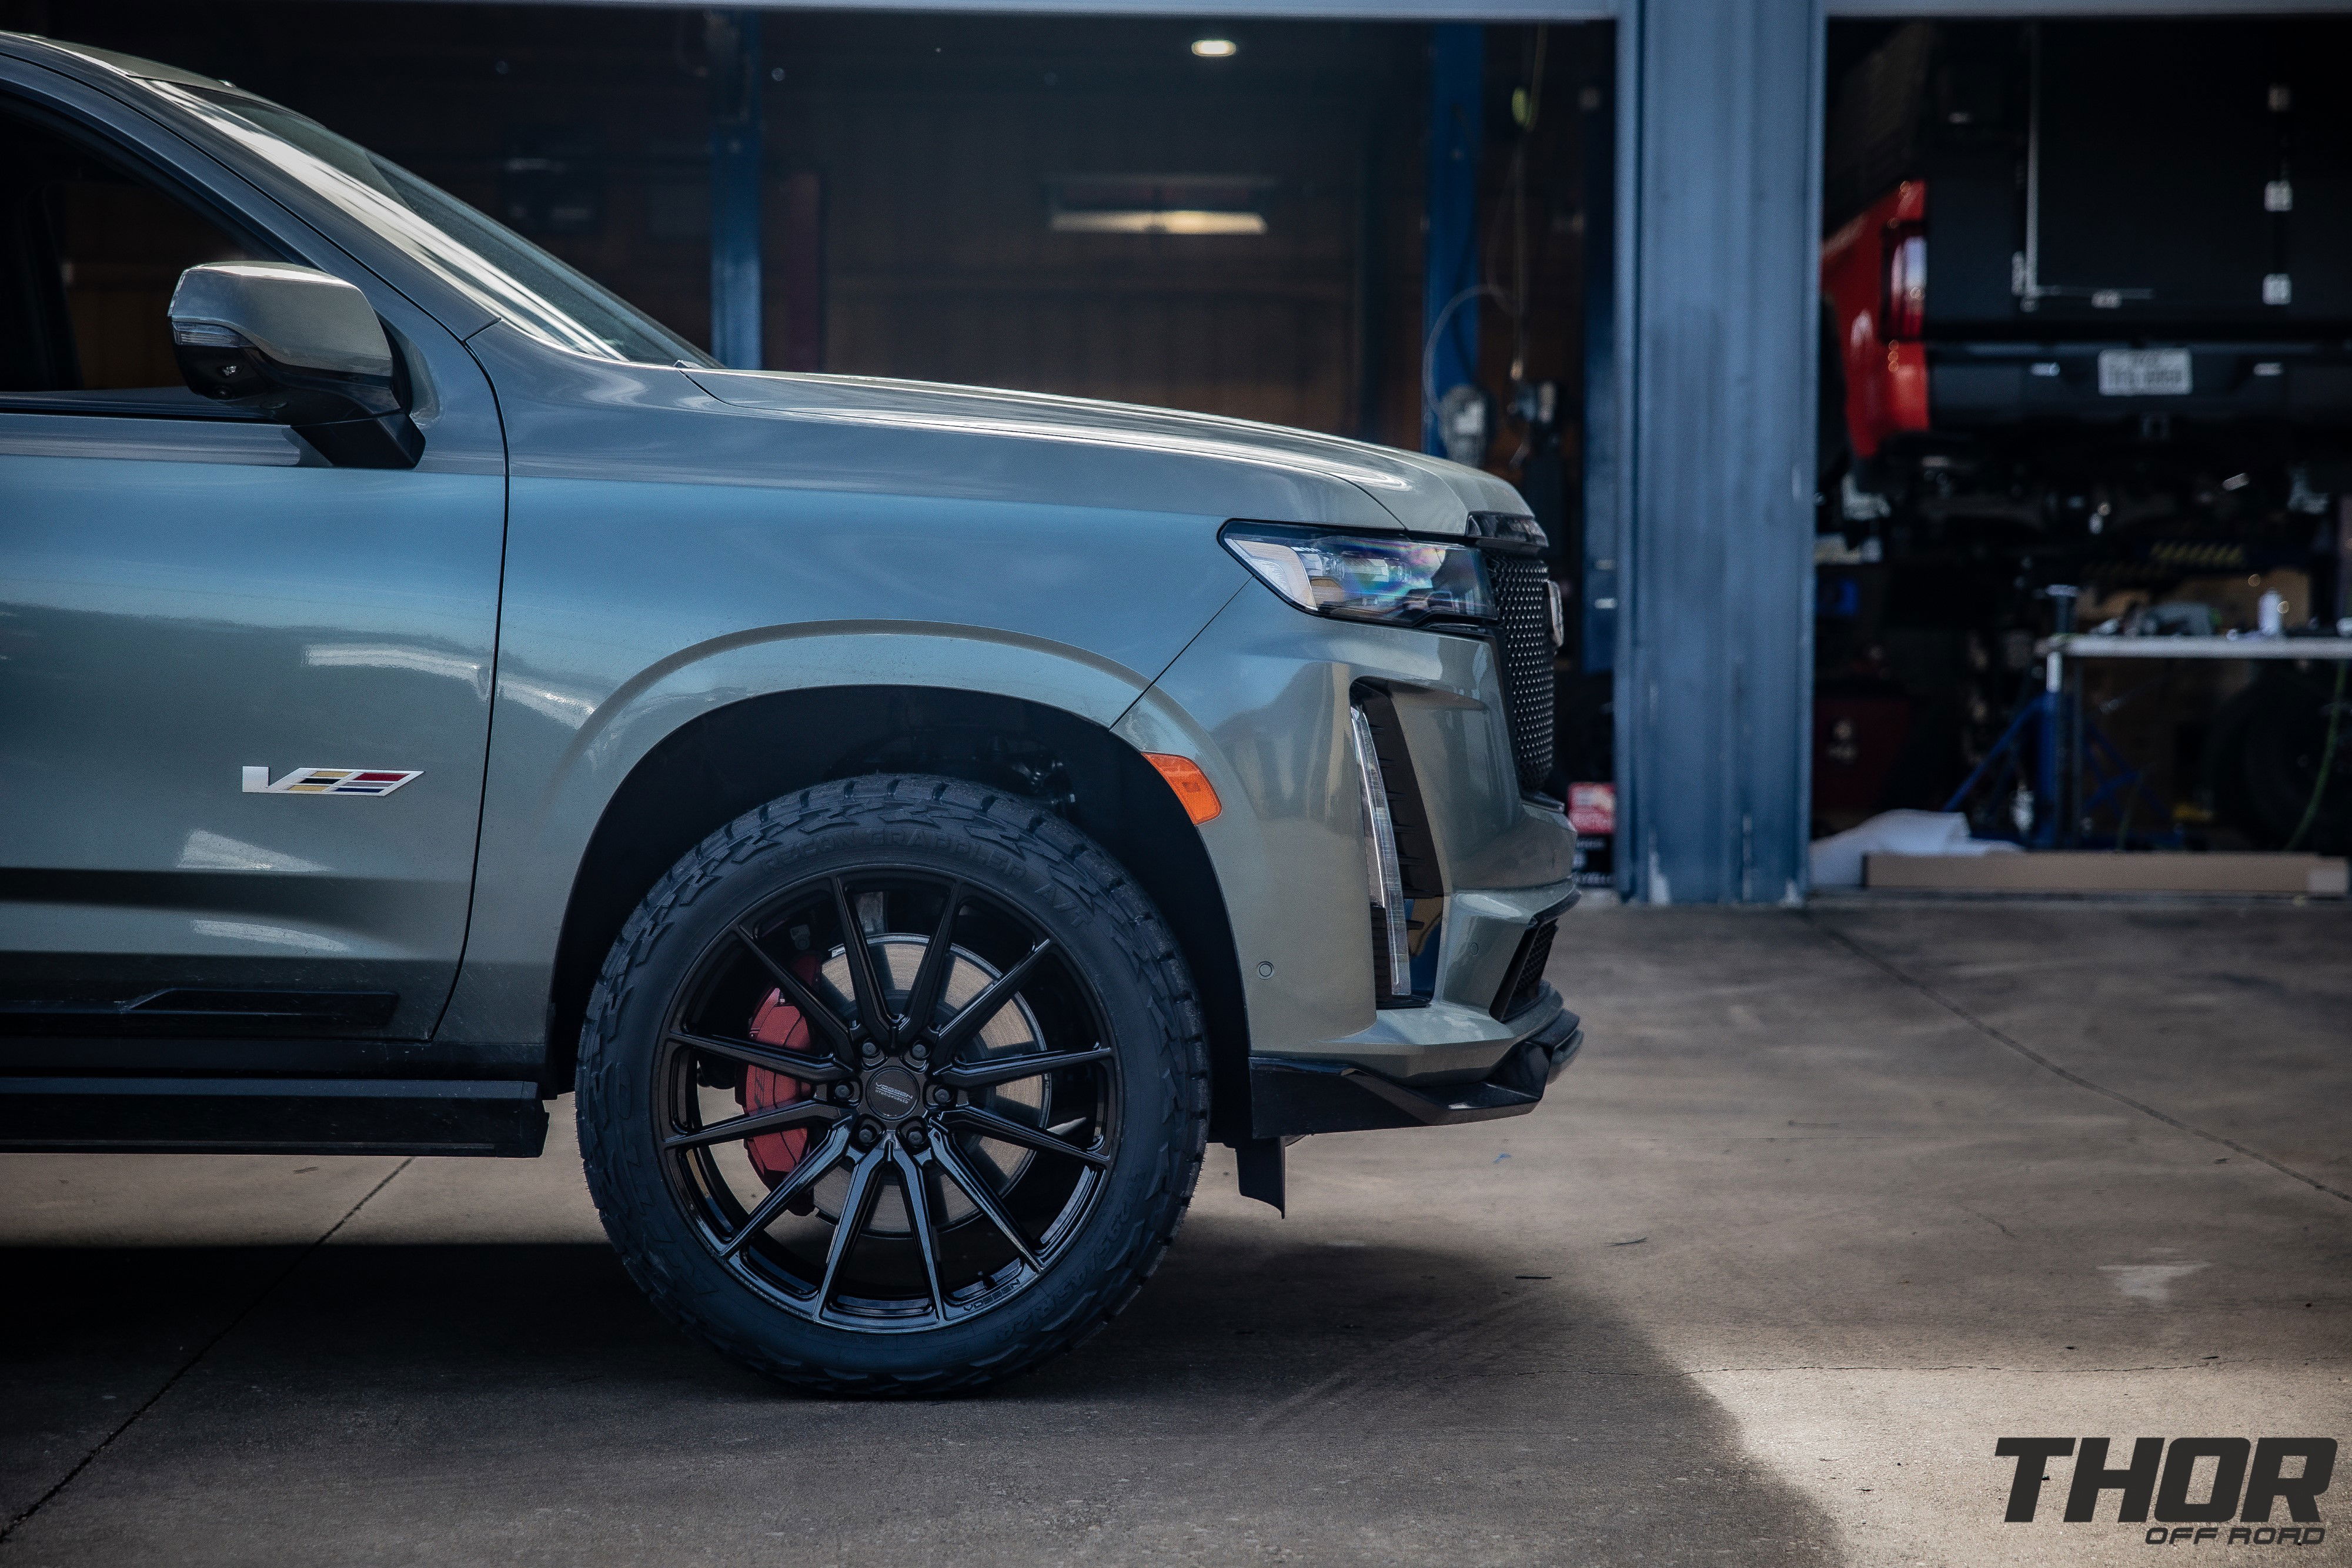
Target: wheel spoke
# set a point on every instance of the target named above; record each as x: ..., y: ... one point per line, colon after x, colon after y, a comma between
x: 959, y: 1029
x: 983, y: 1197
x: 774, y: 1058
x: 855, y: 1210
x: 873, y: 1008
x: 901, y: 1007
x: 806, y: 1175
x: 800, y: 1113
x: 820, y: 1016
x: 1006, y: 1070
x: 989, y: 1124
x: 915, y: 1182
x: 931, y: 977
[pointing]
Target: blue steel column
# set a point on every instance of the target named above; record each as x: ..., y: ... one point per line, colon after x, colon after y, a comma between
x: 1714, y: 685
x: 731, y: 40
x: 1450, y: 266
x: 1603, y: 444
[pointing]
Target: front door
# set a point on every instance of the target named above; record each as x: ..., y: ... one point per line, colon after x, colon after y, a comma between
x: 244, y: 695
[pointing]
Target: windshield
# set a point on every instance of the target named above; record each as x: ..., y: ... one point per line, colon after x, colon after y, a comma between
x: 493, y: 266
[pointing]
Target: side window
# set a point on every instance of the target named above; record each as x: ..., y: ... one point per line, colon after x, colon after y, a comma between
x: 89, y: 253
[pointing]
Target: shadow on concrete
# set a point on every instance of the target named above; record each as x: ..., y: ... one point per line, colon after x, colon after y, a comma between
x: 1265, y: 1395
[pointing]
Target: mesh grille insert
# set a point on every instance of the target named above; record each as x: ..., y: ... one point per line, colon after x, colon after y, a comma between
x: 1524, y: 643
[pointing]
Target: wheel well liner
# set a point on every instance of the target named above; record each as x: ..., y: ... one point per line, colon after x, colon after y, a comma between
x: 724, y: 763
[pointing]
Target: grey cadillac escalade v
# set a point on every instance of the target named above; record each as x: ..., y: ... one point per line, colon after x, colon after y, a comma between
x: 914, y: 818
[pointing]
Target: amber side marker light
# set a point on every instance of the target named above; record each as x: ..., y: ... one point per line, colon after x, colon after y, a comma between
x: 1192, y: 786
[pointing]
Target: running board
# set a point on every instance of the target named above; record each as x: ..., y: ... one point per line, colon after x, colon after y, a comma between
x: 273, y: 1115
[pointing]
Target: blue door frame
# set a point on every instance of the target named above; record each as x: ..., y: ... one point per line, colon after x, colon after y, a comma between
x: 731, y: 50
x: 1451, y: 270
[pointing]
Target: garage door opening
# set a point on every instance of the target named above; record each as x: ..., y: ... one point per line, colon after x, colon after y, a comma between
x: 2086, y: 464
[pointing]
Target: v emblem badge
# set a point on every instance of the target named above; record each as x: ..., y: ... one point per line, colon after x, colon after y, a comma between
x: 331, y: 781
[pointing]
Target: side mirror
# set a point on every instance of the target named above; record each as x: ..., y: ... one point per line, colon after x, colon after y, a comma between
x: 301, y: 346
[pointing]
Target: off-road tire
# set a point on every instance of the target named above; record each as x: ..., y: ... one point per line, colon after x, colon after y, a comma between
x: 1018, y: 851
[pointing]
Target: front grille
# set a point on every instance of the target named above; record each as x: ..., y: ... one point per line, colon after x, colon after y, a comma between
x: 1523, y: 983
x: 1524, y: 643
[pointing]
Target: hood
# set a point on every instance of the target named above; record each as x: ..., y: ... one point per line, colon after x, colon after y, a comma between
x: 1424, y: 494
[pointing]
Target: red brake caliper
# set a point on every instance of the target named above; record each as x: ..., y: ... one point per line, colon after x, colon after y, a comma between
x: 777, y: 1022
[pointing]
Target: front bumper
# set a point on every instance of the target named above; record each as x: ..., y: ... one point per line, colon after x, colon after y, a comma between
x: 1261, y: 700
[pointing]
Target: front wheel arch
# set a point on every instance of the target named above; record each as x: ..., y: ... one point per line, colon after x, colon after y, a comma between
x: 725, y: 762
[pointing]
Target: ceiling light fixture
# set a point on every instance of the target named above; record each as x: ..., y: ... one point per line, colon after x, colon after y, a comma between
x: 1157, y: 203
x: 1215, y: 48
x: 1164, y: 220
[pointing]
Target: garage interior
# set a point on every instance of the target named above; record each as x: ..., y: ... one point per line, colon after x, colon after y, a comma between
x: 1838, y: 1197
x: 2087, y: 366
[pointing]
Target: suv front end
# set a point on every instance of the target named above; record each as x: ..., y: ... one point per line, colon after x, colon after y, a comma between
x: 1382, y: 705
x: 800, y: 777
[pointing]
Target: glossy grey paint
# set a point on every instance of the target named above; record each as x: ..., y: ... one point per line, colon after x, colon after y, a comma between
x: 1074, y: 448
x: 676, y: 542
x: 188, y: 597
x: 672, y: 551
x: 170, y: 622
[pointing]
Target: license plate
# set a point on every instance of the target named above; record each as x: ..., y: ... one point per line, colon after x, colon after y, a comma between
x: 2143, y: 373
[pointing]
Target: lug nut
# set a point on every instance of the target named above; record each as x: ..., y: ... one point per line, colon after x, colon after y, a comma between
x: 869, y: 1134
x: 942, y: 1095
x: 844, y: 1091
x: 919, y: 1054
x: 914, y: 1138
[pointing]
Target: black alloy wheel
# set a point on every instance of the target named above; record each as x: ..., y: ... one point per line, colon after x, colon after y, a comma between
x: 950, y: 1139
x: 885, y: 1078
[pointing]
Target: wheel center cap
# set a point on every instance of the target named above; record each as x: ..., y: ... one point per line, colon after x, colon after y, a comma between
x: 893, y: 1093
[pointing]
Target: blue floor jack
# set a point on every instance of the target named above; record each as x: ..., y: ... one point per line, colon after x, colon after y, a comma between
x: 2055, y: 812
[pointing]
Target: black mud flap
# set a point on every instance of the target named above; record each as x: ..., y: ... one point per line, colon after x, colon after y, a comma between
x: 1260, y: 1167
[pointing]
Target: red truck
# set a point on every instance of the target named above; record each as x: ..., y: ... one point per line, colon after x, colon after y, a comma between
x: 2086, y: 318
x: 2140, y: 235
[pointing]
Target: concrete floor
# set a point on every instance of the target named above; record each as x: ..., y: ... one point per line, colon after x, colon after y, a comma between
x: 1834, y: 1202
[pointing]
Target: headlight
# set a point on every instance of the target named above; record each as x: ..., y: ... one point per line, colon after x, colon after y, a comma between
x: 1366, y: 577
